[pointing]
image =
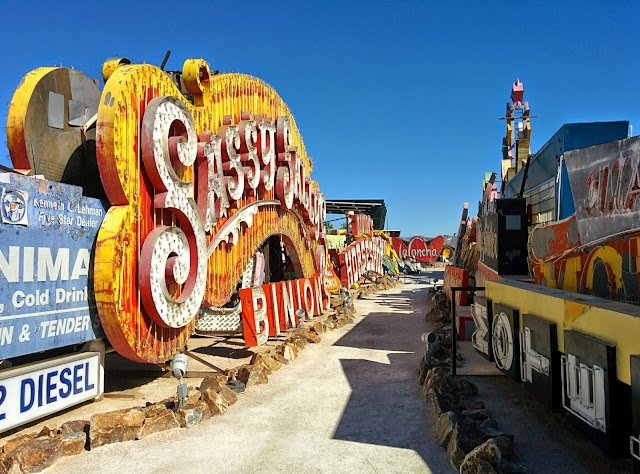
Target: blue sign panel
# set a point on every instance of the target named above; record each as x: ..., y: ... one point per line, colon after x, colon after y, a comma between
x: 48, y: 232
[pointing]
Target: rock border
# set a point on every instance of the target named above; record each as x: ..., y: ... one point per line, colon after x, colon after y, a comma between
x: 36, y: 451
x: 463, y: 425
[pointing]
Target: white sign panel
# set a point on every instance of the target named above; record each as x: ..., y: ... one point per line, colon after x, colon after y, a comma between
x: 36, y: 390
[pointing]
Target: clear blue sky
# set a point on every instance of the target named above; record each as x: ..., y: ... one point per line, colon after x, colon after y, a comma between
x: 395, y: 100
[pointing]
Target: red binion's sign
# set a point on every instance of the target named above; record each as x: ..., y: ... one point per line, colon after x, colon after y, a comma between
x: 270, y: 309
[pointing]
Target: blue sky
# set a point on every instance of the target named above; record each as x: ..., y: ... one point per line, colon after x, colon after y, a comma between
x: 395, y: 100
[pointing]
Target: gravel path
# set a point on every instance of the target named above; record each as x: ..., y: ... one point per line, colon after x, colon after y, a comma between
x: 350, y: 404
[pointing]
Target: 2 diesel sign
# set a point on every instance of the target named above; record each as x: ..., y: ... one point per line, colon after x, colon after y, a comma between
x: 34, y: 391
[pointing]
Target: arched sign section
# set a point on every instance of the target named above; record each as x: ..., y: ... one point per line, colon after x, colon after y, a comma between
x: 195, y: 190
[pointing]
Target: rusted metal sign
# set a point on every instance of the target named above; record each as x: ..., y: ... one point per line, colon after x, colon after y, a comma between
x: 47, y: 238
x: 195, y: 188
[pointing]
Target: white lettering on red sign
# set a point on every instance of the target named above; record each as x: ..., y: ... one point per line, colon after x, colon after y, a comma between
x: 261, y: 315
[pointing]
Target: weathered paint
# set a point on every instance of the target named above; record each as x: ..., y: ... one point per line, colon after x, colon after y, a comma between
x: 453, y: 277
x: 241, y: 225
x: 612, y: 321
x: 418, y: 248
x: 47, y: 236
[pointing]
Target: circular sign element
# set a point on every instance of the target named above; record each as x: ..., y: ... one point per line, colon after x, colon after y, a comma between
x: 13, y: 207
x: 502, y: 341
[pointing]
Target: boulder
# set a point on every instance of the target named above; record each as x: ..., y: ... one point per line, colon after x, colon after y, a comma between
x: 75, y: 426
x: 35, y: 455
x: 476, y: 414
x: 216, y: 402
x: 157, y: 420
x: 288, y: 353
x: 470, y: 404
x: 280, y: 358
x: 478, y: 458
x: 465, y: 437
x: 317, y: 327
x: 190, y: 415
x: 308, y: 335
x: 73, y: 443
x: 255, y: 374
x: 19, y: 441
x: 443, y: 428
x: 115, y: 426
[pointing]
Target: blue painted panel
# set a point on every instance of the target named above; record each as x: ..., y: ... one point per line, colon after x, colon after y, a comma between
x: 48, y: 232
x: 571, y: 136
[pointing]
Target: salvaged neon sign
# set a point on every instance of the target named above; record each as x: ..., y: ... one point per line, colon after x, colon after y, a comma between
x: 359, y: 258
x: 195, y: 185
x: 269, y: 309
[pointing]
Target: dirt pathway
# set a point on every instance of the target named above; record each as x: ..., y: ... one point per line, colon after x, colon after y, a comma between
x: 349, y: 404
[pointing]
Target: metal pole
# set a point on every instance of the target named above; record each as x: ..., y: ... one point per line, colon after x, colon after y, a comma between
x: 454, y: 333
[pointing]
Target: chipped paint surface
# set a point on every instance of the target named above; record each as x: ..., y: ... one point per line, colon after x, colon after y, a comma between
x: 195, y: 186
x: 179, y: 235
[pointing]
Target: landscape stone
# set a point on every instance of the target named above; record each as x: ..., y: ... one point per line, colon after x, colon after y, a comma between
x: 255, y: 374
x: 19, y: 441
x: 308, y: 335
x: 487, y: 453
x: 230, y: 396
x: 465, y: 437
x: 73, y: 443
x: 318, y: 327
x: 158, y: 420
x: 190, y: 415
x: 115, y: 426
x: 281, y: 358
x: 470, y: 404
x: 464, y: 387
x: 476, y: 414
x: 288, y: 353
x: 494, y: 433
x: 193, y: 395
x: 443, y: 428
x: 215, y: 401
x: 211, y: 383
x: 49, y: 430
x: 35, y: 455
x: 272, y: 363
x: 75, y: 426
